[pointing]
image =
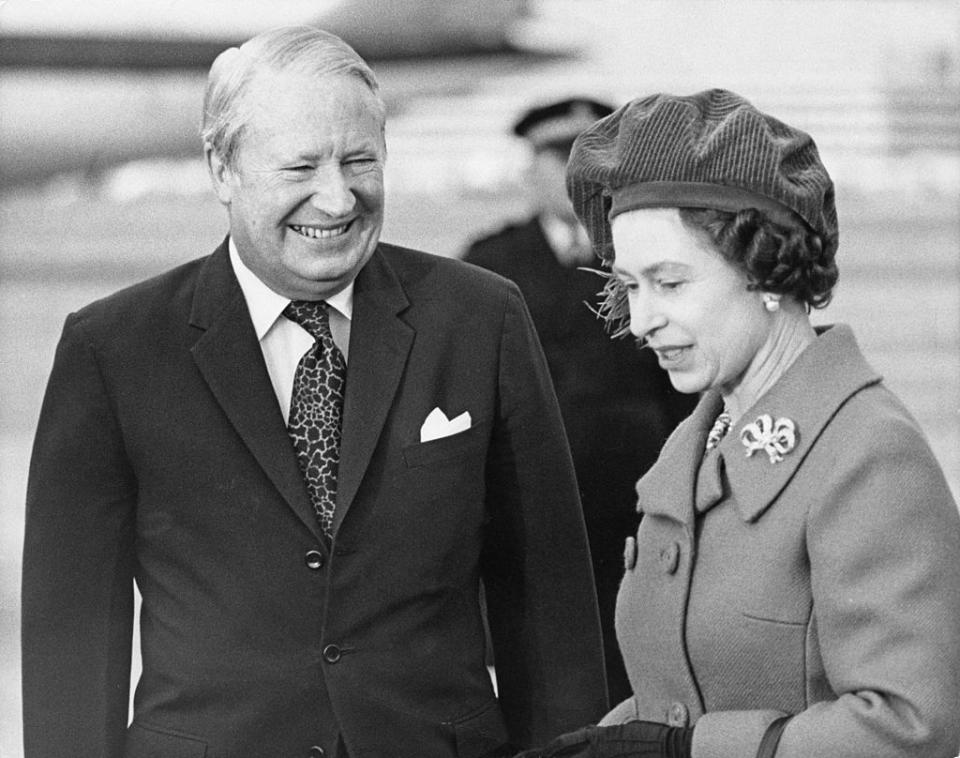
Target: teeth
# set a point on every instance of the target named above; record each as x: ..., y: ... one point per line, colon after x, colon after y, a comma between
x: 671, y: 354
x: 316, y: 233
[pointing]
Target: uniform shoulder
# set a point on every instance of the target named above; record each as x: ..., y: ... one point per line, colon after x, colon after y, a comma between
x: 443, y: 276
x: 506, y: 238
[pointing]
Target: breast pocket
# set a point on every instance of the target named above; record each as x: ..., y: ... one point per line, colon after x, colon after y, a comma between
x: 442, y: 483
x: 470, y: 442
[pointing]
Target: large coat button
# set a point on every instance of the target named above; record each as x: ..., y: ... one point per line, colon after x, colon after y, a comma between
x: 317, y: 752
x: 629, y: 553
x: 332, y: 653
x: 313, y: 559
x: 677, y: 715
x: 670, y: 558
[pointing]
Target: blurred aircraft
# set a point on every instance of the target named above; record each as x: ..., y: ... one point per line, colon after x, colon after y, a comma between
x: 87, y: 85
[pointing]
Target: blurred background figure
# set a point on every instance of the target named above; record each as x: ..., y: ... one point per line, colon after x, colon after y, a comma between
x: 618, y: 405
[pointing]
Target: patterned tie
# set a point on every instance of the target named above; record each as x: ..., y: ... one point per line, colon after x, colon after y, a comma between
x: 316, y: 408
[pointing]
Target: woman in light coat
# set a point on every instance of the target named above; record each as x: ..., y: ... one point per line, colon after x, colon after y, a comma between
x: 794, y: 586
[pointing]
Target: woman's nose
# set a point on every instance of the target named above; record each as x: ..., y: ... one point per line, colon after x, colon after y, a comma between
x: 645, y: 316
x: 332, y: 194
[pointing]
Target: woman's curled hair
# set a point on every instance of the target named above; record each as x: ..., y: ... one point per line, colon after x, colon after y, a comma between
x: 790, y: 260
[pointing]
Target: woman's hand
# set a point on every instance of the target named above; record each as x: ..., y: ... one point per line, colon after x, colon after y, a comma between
x: 633, y: 739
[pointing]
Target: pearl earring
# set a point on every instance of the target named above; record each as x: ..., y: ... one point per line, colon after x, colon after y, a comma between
x: 771, y: 303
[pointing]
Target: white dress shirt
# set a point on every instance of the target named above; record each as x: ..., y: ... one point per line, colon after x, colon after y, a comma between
x: 569, y: 241
x: 282, y: 341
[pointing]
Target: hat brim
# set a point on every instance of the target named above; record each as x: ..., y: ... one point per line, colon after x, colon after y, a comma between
x: 698, y: 195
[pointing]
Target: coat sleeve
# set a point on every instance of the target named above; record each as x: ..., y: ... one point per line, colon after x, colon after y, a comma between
x: 883, y: 541
x: 77, y: 584
x: 537, y: 571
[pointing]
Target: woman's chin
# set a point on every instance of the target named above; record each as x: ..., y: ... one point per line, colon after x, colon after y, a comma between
x: 688, y: 385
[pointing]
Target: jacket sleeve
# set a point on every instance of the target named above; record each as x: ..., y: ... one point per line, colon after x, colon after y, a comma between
x: 883, y: 541
x: 537, y: 571
x: 77, y: 591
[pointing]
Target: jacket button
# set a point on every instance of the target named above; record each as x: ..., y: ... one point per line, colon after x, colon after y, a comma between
x: 317, y: 752
x: 629, y: 553
x: 677, y: 715
x: 313, y: 559
x: 331, y: 653
x: 670, y: 558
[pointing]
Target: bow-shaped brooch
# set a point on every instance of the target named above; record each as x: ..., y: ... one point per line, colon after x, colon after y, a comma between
x: 775, y: 438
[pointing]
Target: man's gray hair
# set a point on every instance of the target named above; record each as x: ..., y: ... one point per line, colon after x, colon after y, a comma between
x: 304, y: 49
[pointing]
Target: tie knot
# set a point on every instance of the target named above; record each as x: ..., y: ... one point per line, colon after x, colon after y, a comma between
x: 312, y: 315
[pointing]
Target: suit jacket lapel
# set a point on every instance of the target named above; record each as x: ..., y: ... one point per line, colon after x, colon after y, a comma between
x: 229, y: 357
x: 379, y: 345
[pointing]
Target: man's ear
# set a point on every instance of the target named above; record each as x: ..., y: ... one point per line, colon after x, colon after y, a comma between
x: 220, y: 173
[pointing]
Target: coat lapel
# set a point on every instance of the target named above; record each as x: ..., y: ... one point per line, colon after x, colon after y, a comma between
x: 825, y: 375
x: 668, y: 487
x: 229, y: 358
x: 379, y: 345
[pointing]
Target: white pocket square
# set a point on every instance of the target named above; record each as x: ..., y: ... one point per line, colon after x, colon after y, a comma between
x: 437, y: 425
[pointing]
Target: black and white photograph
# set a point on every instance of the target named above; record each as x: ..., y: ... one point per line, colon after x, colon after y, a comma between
x: 480, y: 379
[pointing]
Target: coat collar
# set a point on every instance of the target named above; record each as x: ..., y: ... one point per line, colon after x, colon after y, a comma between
x: 812, y: 390
x: 668, y: 487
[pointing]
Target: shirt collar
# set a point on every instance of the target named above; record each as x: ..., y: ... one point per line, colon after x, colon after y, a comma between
x: 265, y: 305
x: 568, y: 240
x: 562, y: 234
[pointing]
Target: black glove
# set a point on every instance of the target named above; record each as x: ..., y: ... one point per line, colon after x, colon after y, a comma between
x: 634, y: 739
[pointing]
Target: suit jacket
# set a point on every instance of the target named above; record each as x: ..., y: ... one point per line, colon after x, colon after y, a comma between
x: 161, y: 455
x: 618, y: 405
x: 826, y: 585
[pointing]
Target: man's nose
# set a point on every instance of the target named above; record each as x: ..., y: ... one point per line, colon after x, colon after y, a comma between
x: 332, y: 193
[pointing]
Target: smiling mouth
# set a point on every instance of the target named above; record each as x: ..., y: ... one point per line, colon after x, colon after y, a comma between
x: 318, y: 232
x: 669, y: 353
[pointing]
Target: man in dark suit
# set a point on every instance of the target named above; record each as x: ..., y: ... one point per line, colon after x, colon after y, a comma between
x: 618, y: 406
x: 307, y: 449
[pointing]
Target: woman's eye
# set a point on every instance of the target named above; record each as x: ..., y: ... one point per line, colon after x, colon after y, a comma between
x: 669, y: 284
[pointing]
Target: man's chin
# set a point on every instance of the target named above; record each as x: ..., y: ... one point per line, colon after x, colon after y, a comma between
x: 321, y: 281
x: 315, y: 288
